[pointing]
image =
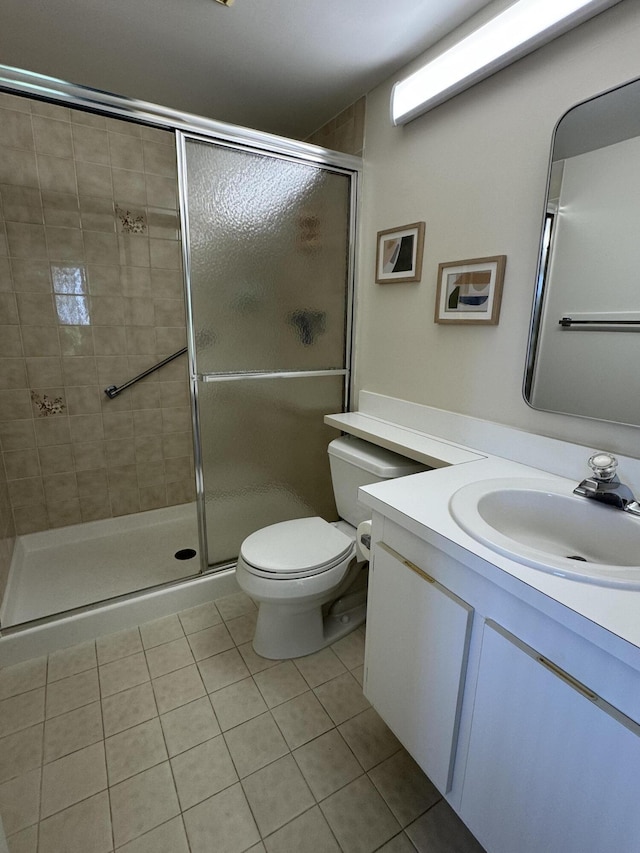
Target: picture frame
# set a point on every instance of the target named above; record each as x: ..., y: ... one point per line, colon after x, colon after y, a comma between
x: 399, y: 254
x: 470, y: 291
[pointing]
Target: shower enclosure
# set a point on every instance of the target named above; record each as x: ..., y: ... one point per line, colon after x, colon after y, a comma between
x: 267, y: 255
x: 102, y: 227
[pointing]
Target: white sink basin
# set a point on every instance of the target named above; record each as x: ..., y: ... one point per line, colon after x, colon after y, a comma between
x: 541, y: 523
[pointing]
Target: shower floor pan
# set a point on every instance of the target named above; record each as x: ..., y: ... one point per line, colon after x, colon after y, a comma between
x: 58, y: 570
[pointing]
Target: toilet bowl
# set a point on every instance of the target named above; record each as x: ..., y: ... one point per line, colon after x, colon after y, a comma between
x: 304, y: 573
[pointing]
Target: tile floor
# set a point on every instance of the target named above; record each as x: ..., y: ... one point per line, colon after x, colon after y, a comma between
x: 175, y: 737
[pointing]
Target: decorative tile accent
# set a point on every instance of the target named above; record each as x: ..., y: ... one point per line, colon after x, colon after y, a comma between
x: 46, y: 405
x: 131, y: 222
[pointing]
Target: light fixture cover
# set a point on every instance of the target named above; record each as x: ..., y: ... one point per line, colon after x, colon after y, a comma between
x: 521, y: 28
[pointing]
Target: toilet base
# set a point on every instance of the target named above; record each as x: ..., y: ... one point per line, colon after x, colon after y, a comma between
x: 301, y: 633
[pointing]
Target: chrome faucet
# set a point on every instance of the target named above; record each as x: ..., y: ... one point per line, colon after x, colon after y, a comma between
x: 604, y: 485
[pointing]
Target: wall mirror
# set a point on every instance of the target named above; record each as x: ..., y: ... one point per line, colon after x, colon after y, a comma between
x: 584, y: 347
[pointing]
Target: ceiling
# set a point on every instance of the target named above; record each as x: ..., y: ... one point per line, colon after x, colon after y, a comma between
x: 283, y: 66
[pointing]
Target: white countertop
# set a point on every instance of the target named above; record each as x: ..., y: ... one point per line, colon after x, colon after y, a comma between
x: 435, y: 452
x: 420, y: 504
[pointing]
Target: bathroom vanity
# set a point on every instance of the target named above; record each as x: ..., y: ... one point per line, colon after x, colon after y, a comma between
x: 515, y: 689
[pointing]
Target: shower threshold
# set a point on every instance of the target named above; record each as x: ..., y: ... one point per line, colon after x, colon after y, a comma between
x: 58, y: 570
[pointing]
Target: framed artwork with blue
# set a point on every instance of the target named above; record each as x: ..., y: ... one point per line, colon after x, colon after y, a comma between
x: 470, y: 291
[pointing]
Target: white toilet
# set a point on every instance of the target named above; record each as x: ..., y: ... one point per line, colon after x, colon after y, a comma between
x: 307, y: 574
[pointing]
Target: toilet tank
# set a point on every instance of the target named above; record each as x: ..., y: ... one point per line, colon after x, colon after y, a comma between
x: 356, y: 463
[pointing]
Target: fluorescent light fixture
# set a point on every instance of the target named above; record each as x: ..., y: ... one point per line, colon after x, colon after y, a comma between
x: 519, y: 29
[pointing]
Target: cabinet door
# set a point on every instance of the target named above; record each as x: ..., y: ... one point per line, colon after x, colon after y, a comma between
x: 551, y: 766
x: 417, y: 640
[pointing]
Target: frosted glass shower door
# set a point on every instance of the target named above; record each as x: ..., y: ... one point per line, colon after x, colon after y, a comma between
x: 269, y: 270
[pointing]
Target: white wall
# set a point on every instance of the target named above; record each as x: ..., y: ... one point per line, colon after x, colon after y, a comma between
x: 474, y: 169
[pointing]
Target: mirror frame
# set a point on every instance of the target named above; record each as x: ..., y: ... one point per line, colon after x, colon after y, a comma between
x: 541, y: 282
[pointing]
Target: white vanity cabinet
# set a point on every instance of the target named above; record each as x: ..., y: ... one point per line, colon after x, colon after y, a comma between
x: 416, y: 653
x: 550, y: 766
x: 521, y: 723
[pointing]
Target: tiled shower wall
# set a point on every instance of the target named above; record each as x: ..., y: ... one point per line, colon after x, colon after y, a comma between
x: 91, y: 294
x: 344, y: 132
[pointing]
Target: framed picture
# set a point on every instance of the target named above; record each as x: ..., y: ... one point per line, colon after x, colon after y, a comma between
x: 470, y: 291
x: 399, y: 254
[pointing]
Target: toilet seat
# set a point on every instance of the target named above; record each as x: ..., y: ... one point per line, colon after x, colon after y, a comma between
x: 295, y: 549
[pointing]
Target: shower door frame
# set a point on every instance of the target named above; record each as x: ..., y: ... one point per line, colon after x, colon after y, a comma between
x: 182, y: 138
x: 16, y: 81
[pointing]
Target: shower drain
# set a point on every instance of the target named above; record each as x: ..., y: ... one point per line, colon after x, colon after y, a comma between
x: 185, y: 554
x: 576, y: 557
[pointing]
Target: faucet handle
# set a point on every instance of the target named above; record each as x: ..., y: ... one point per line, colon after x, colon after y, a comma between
x: 603, y: 466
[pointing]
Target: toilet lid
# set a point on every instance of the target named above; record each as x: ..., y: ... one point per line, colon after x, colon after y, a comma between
x: 304, y: 545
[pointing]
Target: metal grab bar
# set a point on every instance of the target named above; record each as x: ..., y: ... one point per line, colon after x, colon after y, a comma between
x: 113, y: 391
x: 567, y: 322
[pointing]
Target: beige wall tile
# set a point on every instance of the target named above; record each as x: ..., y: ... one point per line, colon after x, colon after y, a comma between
x: 59, y: 171
x: 20, y: 464
x: 64, y: 513
x: 125, y: 151
x: 82, y: 399
x: 52, y: 136
x: 8, y: 309
x: 65, y: 244
x: 61, y: 209
x: 129, y: 187
x: 76, y: 340
x: 161, y: 191
x: 21, y: 204
x: 18, y: 166
x: 153, y: 497
x: 118, y: 424
x: 15, y: 129
x: 79, y: 370
x: 90, y: 144
x: 97, y: 214
x: 5, y: 269
x: 159, y: 159
x: 40, y: 340
x: 56, y: 459
x: 151, y: 474
x: 31, y: 275
x: 104, y: 279
x: 36, y: 309
x: 41, y: 108
x: 136, y: 281
x: 165, y: 254
x: 18, y: 434
x: 15, y: 405
x: 30, y: 519
x: 88, y: 119
x: 52, y: 430
x: 94, y: 180
x: 100, y: 248
x: 26, y: 492
x: 10, y: 341
x: 13, y: 374
x: 56, y: 173
x: 89, y: 455
x: 26, y: 240
x: 141, y: 340
x: 134, y: 250
x: 43, y: 372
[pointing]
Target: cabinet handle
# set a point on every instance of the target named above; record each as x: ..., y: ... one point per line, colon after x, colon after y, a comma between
x: 418, y: 571
x: 422, y: 574
x: 572, y: 682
